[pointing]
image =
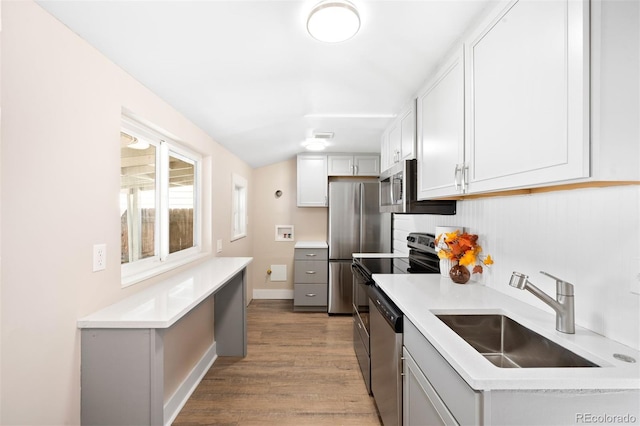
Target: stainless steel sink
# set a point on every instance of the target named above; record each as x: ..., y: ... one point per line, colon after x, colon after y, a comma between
x: 507, y: 344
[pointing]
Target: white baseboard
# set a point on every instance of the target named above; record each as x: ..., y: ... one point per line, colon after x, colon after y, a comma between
x: 272, y: 294
x: 181, y: 395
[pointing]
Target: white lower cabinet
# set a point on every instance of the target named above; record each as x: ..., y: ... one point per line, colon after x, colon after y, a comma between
x: 432, y: 388
x: 421, y: 403
x: 435, y: 394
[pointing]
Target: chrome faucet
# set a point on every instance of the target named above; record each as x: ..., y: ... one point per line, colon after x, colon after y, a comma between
x: 564, y: 305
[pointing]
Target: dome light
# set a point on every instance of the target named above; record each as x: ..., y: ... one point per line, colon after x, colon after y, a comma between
x: 313, y: 144
x: 333, y: 21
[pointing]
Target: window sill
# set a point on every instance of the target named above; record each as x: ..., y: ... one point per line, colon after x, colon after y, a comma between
x: 132, y: 279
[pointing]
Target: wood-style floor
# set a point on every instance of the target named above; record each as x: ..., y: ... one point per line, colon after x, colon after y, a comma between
x: 300, y: 370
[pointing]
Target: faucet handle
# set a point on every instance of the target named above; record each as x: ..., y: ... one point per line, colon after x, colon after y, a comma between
x: 562, y: 287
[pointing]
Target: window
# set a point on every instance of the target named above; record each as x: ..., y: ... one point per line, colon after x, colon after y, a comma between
x: 239, y: 206
x: 159, y: 202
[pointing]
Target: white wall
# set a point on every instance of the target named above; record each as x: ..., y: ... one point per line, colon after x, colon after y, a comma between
x: 61, y: 105
x: 589, y: 237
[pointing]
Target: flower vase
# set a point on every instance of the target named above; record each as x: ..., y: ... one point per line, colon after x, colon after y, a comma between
x: 445, y: 267
x: 459, y: 274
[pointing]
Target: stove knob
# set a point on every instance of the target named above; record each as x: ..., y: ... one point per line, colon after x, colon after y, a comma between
x: 432, y: 244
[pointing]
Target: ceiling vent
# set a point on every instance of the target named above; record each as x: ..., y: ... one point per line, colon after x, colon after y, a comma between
x: 323, y: 135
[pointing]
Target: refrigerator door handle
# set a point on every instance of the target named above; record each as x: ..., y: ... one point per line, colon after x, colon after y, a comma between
x: 362, y: 217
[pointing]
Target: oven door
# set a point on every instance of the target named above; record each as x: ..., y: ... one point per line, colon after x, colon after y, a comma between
x: 361, y: 323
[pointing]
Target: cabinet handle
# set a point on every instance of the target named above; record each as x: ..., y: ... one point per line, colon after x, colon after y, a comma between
x: 456, y: 174
x: 311, y: 255
x: 465, y: 178
x: 310, y: 295
x: 310, y: 272
x: 355, y: 170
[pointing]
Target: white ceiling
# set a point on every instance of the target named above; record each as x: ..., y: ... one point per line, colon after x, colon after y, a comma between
x: 248, y: 73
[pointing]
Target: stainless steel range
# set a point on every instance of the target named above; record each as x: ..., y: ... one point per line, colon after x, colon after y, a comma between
x: 377, y: 322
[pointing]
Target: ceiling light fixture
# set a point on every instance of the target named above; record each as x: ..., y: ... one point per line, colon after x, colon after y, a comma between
x: 333, y: 21
x: 313, y: 144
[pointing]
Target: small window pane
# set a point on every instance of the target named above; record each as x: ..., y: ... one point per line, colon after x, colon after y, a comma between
x: 137, y: 199
x: 239, y: 208
x: 181, y: 204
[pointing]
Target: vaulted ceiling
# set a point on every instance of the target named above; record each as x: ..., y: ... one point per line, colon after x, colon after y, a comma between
x: 249, y: 74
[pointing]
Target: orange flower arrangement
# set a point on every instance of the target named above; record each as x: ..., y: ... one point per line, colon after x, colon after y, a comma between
x: 462, y: 248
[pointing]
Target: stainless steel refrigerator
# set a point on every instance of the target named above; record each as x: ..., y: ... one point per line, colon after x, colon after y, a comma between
x: 355, y: 226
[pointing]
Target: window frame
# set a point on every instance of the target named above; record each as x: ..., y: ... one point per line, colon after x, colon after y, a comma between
x: 163, y: 261
x: 239, y: 209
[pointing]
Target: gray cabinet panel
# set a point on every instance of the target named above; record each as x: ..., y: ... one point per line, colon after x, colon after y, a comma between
x: 310, y: 295
x: 311, y: 272
x: 116, y: 377
x: 460, y: 399
x: 311, y: 254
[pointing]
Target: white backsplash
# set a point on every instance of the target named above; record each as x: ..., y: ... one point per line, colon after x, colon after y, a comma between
x: 588, y: 237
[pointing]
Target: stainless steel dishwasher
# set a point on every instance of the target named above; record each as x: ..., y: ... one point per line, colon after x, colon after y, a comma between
x: 385, y: 322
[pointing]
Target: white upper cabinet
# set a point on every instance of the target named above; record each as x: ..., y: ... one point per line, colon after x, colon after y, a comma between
x: 354, y: 165
x: 312, y: 180
x: 386, y: 160
x: 408, y: 132
x: 399, y: 139
x: 527, y: 96
x: 440, y: 124
x: 395, y: 142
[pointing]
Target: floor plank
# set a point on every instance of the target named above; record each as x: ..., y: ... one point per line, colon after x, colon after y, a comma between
x: 300, y: 370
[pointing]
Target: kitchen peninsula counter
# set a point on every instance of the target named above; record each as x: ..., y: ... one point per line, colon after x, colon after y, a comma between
x: 143, y: 356
x: 421, y: 296
x: 164, y: 303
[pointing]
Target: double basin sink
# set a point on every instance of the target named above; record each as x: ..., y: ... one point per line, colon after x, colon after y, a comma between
x: 508, y: 344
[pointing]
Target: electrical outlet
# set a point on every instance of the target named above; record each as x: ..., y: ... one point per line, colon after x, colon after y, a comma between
x: 99, y: 257
x: 219, y: 246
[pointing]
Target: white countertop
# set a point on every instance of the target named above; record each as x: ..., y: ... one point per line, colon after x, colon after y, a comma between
x: 164, y: 303
x: 312, y: 244
x: 378, y: 255
x: 420, y: 295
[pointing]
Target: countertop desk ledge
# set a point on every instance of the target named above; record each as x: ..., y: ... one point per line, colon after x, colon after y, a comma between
x: 422, y: 296
x: 311, y: 245
x: 164, y: 303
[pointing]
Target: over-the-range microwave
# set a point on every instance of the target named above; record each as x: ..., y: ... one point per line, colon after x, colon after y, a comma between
x: 399, y: 192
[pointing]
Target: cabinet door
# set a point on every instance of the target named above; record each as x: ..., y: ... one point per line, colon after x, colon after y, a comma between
x: 312, y: 180
x: 421, y: 405
x: 366, y: 165
x: 527, y: 105
x: 408, y: 133
x: 440, y: 124
x: 340, y: 165
x: 395, y: 142
x: 385, y: 157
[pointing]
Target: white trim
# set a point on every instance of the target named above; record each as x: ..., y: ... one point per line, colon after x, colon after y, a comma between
x: 239, y: 188
x: 161, y: 268
x: 278, y: 293
x: 163, y: 261
x: 180, y: 397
